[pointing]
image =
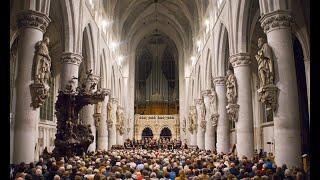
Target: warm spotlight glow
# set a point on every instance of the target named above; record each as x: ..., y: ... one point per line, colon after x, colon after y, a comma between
x: 104, y: 25
x: 91, y: 3
x: 114, y: 45
x: 198, y: 43
x: 206, y: 22
x: 193, y: 60
x: 120, y: 59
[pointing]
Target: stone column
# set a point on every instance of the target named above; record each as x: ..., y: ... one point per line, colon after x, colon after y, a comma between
x: 70, y: 68
x: 192, y: 125
x: 88, y: 114
x: 201, y: 128
x: 32, y: 26
x: 307, y: 72
x: 103, y: 127
x: 112, y: 134
x: 88, y: 118
x: 187, y: 108
x: 223, y: 131
x: 277, y: 26
x: 11, y: 135
x: 209, y: 134
x: 244, y: 125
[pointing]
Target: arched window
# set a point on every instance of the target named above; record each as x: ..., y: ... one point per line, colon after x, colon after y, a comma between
x: 47, y: 109
x: 147, y: 133
x: 166, y: 133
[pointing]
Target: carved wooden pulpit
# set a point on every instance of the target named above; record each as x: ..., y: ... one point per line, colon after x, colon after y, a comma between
x: 73, y: 137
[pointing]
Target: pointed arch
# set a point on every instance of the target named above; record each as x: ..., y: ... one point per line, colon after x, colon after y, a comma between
x: 88, y: 48
x: 221, y: 52
x: 239, y: 23
x: 113, y: 83
x: 208, y: 71
x: 199, y: 84
x: 67, y: 9
x: 120, y: 91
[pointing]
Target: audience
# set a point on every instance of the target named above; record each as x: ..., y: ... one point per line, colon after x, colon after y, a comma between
x: 161, y: 159
x: 149, y: 143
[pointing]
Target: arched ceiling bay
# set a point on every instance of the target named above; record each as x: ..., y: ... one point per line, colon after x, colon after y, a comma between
x: 132, y: 16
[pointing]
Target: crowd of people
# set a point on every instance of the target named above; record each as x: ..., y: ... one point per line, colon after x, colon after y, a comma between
x: 152, y: 143
x: 155, y: 162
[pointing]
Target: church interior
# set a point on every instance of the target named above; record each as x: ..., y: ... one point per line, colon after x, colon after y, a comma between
x: 219, y: 77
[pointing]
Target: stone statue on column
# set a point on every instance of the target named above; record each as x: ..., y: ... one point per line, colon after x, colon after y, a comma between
x: 213, y: 107
x: 109, y: 112
x: 265, y: 63
x: 120, y: 120
x: 192, y: 120
x: 184, y: 124
x: 232, y: 95
x: 41, y: 73
x: 231, y: 85
x: 43, y: 61
x: 267, y: 91
x: 97, y: 114
x: 202, y: 114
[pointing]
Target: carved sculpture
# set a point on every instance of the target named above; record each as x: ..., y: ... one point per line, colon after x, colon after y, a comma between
x: 184, y: 124
x: 73, y: 137
x: 201, y: 112
x: 97, y: 118
x: 109, y: 112
x: 41, y: 73
x: 192, y: 119
x: 232, y: 107
x: 232, y: 112
x: 120, y: 120
x: 203, y: 125
x: 231, y: 85
x: 43, y: 61
x: 214, y: 119
x: 265, y: 63
x: 202, y: 109
x: 267, y: 91
x: 213, y: 101
x: 213, y: 106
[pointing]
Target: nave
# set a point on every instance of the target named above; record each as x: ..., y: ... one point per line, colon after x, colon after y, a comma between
x: 221, y: 76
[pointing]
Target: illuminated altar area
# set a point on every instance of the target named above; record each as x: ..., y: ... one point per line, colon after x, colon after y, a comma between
x: 158, y: 125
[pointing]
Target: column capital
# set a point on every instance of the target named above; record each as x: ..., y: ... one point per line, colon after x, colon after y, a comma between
x: 276, y: 20
x: 97, y: 118
x: 206, y: 93
x: 114, y: 101
x: 192, y: 107
x: 33, y: 19
x: 93, y: 79
x: 219, y: 81
x: 107, y: 91
x: 199, y: 101
x: 120, y: 107
x: 71, y: 58
x: 240, y: 59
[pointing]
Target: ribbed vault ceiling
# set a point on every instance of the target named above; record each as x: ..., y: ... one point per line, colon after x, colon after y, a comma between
x: 180, y: 17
